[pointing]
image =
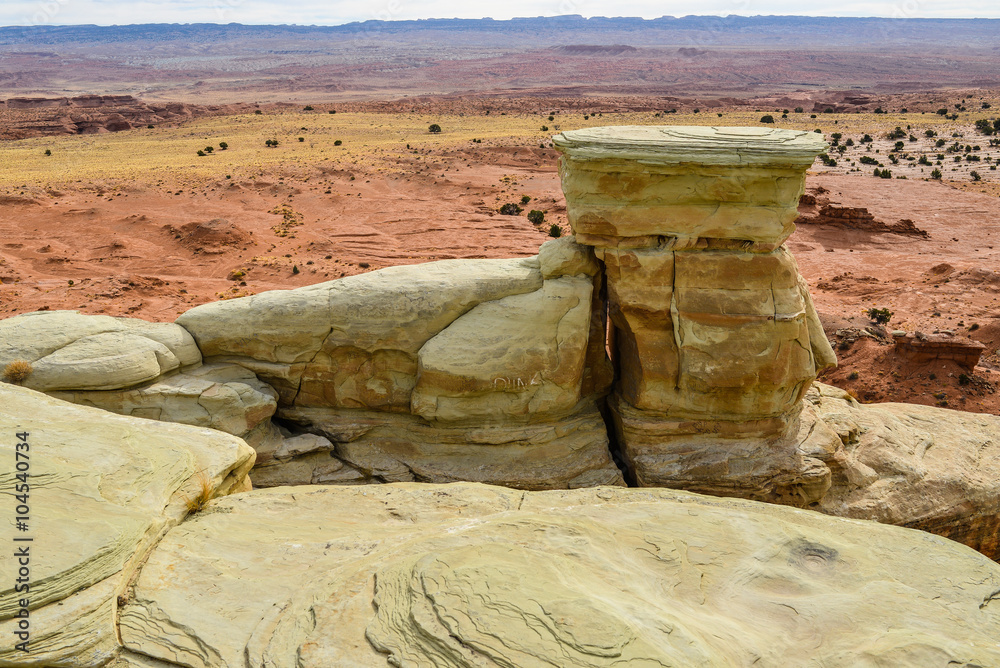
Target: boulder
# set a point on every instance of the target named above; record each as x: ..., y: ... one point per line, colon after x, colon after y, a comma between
x: 353, y: 342
x: 477, y: 370
x: 559, y: 451
x: 100, y: 491
x: 917, y: 466
x: 467, y: 575
x: 226, y: 397
x: 520, y: 356
x: 71, y: 351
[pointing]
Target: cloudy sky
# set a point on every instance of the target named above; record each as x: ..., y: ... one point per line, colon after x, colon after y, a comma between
x: 332, y: 12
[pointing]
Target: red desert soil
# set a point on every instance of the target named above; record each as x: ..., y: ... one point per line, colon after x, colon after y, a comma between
x: 151, y: 253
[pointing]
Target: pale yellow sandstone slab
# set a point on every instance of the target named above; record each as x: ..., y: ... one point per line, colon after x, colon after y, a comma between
x: 515, y: 357
x: 469, y: 576
x: 71, y: 351
x: 102, y: 489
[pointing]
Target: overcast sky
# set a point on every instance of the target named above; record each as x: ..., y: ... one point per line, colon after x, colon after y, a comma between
x: 332, y: 12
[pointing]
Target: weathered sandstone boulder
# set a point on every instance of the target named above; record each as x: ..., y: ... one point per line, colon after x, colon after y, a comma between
x: 138, y: 368
x: 71, y: 351
x: 481, y: 370
x: 227, y: 397
x: 917, y: 466
x: 714, y: 332
x: 99, y: 491
x: 467, y: 575
x: 353, y: 342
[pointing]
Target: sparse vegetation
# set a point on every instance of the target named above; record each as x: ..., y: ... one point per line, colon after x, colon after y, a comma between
x: 555, y: 231
x: 767, y: 119
x: 510, y: 209
x: 525, y: 199
x: 202, y: 495
x: 434, y: 128
x: 17, y: 371
x: 536, y: 217
x: 881, y: 316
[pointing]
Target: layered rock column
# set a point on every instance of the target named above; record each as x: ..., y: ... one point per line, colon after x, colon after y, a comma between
x: 714, y: 334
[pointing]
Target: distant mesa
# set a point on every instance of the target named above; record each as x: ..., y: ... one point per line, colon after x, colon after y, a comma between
x: 595, y: 49
x: 691, y: 52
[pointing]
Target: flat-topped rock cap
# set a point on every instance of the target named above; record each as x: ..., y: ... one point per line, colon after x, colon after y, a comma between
x: 692, y: 143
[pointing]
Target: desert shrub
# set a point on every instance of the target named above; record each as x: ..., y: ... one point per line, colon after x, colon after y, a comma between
x: 942, y: 112
x: 48, y: 151
x: 964, y: 379
x: 17, y: 371
x: 976, y: 176
x: 434, y: 128
x: 223, y: 145
x: 525, y: 199
x: 552, y: 118
x: 555, y: 231
x: 337, y: 143
x: 202, y: 153
x: 798, y: 110
x: 308, y: 107
x: 510, y: 209
x: 867, y: 139
x: 545, y: 128
x: 333, y: 111
x: 295, y: 269
x: 930, y: 133
x: 827, y: 160
x: 898, y: 146
x: 898, y: 133
x: 923, y: 160
x: 302, y: 139
x: 209, y: 149
x: 867, y: 160
x: 258, y: 112
x: 536, y: 217
x: 854, y: 375
x: 879, y: 315
x: 767, y: 119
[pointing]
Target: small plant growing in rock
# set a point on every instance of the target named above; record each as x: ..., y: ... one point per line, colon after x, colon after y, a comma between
x: 881, y: 316
x: 555, y: 231
x: 203, y: 494
x: 510, y: 209
x: 536, y: 217
x: 17, y: 371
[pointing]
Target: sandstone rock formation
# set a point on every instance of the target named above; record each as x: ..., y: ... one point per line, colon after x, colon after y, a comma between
x: 483, y: 370
x: 138, y: 368
x: 715, y: 334
x: 467, y: 575
x: 917, y: 466
x: 70, y: 351
x: 101, y: 490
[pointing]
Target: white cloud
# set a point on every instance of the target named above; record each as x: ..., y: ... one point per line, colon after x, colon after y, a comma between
x: 308, y: 12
